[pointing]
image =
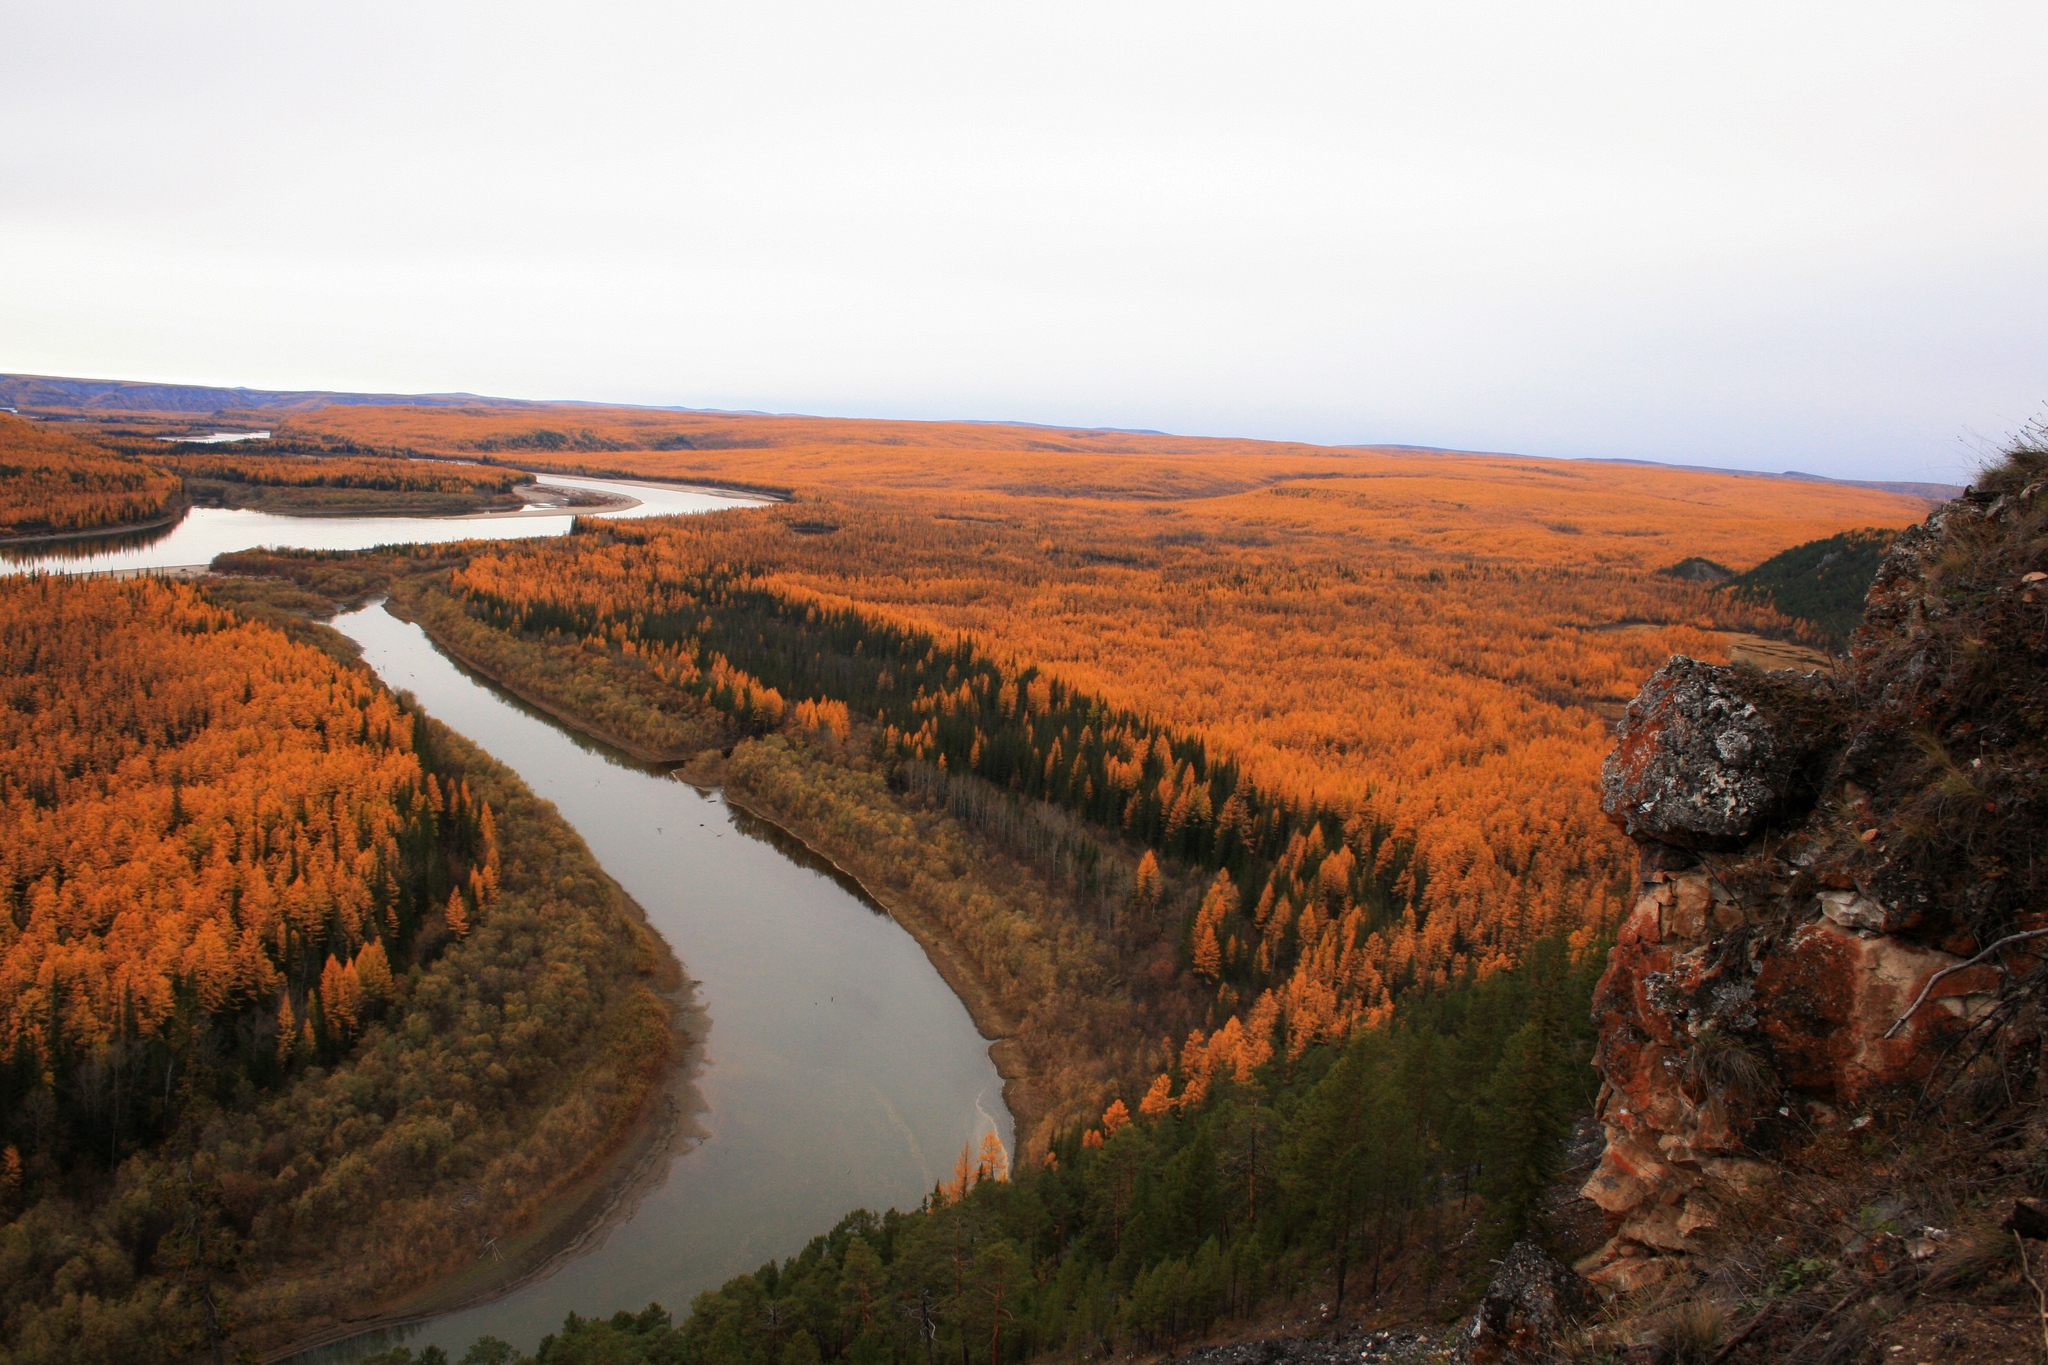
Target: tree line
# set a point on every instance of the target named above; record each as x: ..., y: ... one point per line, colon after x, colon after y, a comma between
x: 55, y: 482
x: 1316, y: 918
x: 277, y: 469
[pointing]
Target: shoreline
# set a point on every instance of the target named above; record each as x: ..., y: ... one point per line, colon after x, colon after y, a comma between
x: 609, y: 503
x: 994, y: 1025
x: 665, y: 1127
x: 640, y: 753
x: 764, y: 492
x: 402, y: 510
x: 171, y: 517
x: 592, y: 1203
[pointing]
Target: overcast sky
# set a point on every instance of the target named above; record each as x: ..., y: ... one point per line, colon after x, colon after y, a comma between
x: 1767, y: 236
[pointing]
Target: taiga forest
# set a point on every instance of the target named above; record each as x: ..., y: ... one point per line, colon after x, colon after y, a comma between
x: 1250, y: 796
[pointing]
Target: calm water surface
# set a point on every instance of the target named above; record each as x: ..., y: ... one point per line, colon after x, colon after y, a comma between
x: 205, y: 532
x: 840, y: 1071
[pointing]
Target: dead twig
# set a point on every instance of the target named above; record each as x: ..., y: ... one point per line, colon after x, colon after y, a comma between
x: 1925, y: 990
x: 2040, y: 1295
x: 1742, y: 1336
x: 1822, y: 1321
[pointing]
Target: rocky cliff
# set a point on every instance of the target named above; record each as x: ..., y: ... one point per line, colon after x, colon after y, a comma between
x: 1841, y: 883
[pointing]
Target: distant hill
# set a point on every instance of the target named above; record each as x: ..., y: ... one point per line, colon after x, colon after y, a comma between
x: 1933, y: 492
x: 1699, y: 570
x: 29, y: 392
x: 1823, y: 581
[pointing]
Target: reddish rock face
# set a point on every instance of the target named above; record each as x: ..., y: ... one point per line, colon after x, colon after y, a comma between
x: 1711, y: 1035
x: 1735, y: 1009
x: 1829, y: 998
x: 1799, y: 889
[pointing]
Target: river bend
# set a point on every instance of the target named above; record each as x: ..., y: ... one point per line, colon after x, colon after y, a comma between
x: 839, y: 1071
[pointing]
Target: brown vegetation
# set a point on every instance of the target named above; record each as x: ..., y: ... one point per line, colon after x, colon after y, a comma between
x: 1081, y: 1004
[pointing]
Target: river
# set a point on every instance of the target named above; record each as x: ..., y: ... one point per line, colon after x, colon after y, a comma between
x: 204, y: 532
x: 839, y: 1071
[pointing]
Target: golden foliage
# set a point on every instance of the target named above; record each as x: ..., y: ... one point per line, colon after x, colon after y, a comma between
x: 224, y: 855
x: 53, y: 482
x: 189, y: 806
x: 1446, y: 720
x: 1495, y: 508
x: 1424, y: 647
x: 382, y: 473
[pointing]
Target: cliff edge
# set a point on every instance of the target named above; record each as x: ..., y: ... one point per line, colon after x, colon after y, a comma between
x: 1841, y: 919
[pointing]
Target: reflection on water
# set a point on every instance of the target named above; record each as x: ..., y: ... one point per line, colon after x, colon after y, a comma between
x: 840, y: 1073
x: 205, y: 532
x: 84, y: 547
x: 802, y: 854
x: 218, y: 438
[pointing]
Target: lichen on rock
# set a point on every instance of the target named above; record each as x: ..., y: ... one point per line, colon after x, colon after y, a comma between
x: 1708, y: 754
x: 1528, y: 1308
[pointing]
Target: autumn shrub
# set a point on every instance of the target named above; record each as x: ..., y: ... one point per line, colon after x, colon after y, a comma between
x: 1692, y: 1333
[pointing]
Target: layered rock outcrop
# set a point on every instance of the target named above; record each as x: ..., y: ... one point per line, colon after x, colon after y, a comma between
x: 1816, y: 854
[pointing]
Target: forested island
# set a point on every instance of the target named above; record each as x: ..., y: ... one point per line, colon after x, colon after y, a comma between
x: 68, y: 480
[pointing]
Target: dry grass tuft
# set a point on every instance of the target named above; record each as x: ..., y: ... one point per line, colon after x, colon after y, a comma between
x: 1692, y: 1333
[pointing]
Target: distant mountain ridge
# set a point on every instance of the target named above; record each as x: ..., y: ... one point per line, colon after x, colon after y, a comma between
x: 33, y: 391
x: 1933, y: 492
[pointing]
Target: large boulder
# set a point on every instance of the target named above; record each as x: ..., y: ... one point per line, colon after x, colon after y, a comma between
x: 1707, y: 755
x: 1528, y: 1309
